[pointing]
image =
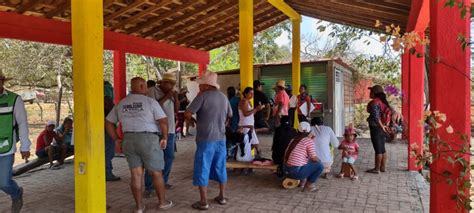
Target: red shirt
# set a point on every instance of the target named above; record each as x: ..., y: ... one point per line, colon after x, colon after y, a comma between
x: 41, y: 143
x: 350, y: 149
x: 281, y: 97
x: 302, y: 152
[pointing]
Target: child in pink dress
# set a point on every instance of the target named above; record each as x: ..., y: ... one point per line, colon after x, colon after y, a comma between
x: 350, y: 152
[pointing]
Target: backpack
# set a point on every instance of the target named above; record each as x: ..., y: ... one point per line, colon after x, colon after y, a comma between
x: 385, y: 112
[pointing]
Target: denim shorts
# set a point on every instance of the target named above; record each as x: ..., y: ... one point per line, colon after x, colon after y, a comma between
x: 143, y: 150
x: 210, y: 163
x: 348, y: 159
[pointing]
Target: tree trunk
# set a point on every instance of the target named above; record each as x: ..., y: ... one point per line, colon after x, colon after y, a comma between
x: 58, y: 102
x: 41, y: 110
x: 71, y: 111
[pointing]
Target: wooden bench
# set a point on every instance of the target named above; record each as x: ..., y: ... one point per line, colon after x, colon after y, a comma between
x: 287, y: 183
x: 32, y: 164
x: 249, y: 165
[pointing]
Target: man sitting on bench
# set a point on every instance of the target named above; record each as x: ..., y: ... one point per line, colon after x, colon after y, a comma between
x: 47, y: 145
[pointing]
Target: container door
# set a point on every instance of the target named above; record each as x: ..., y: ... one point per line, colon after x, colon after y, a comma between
x: 339, y: 104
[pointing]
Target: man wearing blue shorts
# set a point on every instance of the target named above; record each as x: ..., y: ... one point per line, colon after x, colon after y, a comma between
x: 213, y: 111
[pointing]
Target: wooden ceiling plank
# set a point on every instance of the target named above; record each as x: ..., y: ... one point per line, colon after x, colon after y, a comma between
x: 162, y: 28
x: 108, y: 3
x: 153, y: 20
x: 363, y: 25
x: 28, y: 6
x: 124, y: 10
x: 60, y: 8
x: 355, y: 16
x: 234, y: 30
x: 150, y: 10
x: 236, y: 37
x: 375, y: 7
x: 235, y: 24
x: 185, y: 35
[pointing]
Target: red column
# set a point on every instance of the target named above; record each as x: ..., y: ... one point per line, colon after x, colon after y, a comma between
x: 449, y: 93
x: 405, y: 84
x: 120, y: 75
x: 415, y: 104
x: 202, y: 69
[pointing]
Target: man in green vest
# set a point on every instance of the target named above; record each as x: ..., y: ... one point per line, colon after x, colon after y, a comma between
x: 14, y: 128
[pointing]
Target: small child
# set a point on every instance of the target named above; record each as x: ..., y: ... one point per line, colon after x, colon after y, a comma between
x: 350, y: 151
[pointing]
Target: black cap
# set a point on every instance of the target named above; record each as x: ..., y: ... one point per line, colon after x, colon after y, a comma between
x: 257, y: 83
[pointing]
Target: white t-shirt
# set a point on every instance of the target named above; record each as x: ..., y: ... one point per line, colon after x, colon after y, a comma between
x: 324, y: 136
x: 168, y: 107
x: 137, y: 113
x: 293, y: 101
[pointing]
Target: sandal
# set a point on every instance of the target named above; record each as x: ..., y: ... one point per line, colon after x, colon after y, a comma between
x: 221, y: 200
x: 167, y: 206
x: 310, y: 189
x: 355, y: 177
x: 373, y: 171
x: 341, y: 175
x: 140, y: 210
x: 199, y: 206
x: 383, y: 170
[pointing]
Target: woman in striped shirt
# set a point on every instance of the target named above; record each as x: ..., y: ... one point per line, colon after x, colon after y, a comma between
x: 301, y: 161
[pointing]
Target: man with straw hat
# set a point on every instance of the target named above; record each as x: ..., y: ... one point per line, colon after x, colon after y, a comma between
x: 282, y: 102
x: 14, y: 128
x: 213, y: 111
x: 164, y: 94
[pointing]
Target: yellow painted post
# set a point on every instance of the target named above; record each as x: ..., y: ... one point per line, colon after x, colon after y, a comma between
x: 296, y: 47
x: 87, y: 48
x: 296, y: 65
x: 246, y: 43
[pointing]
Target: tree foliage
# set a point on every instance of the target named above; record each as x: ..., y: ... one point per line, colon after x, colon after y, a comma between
x: 266, y: 50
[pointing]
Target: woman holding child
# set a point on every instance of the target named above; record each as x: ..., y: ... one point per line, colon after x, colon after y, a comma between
x: 246, y: 117
x: 300, y: 160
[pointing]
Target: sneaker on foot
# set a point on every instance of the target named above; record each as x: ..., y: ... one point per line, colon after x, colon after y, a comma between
x: 17, y: 203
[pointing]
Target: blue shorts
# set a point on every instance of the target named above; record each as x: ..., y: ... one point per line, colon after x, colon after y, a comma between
x: 210, y: 163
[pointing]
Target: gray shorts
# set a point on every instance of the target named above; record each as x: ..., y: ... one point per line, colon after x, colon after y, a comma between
x: 143, y: 150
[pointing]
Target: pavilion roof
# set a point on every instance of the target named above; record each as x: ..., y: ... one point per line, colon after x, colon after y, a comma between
x: 208, y: 24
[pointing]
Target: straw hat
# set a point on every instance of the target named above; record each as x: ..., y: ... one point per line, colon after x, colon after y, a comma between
x: 376, y: 89
x: 170, y: 77
x: 209, y: 78
x: 3, y: 77
x: 304, y: 127
x: 280, y: 83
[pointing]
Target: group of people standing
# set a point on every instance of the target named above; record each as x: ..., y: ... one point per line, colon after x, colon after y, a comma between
x: 148, y: 119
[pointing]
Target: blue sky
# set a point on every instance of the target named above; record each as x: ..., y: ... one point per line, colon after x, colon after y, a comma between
x: 308, y: 26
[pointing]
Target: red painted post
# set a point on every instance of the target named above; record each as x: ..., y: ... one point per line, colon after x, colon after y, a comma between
x: 450, y: 94
x: 405, y: 86
x: 202, y: 69
x: 415, y: 104
x: 120, y: 75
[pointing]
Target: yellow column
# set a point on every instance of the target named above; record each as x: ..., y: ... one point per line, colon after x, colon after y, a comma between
x: 246, y: 43
x: 87, y: 46
x: 296, y: 65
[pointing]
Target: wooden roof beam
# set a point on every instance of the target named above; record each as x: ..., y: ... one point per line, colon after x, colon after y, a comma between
x: 185, y: 36
x: 217, y: 11
x: 28, y: 6
x: 235, y: 38
x: 185, y: 17
x: 234, y: 25
x: 142, y: 14
x: 359, y: 24
x: 346, y: 14
x: 108, y: 3
x: 60, y: 8
x: 228, y: 32
x: 124, y: 10
x: 162, y: 16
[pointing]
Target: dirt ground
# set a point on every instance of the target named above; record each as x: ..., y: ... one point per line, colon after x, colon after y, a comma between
x: 36, y: 125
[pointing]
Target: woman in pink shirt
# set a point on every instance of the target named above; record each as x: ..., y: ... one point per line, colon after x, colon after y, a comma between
x: 301, y: 161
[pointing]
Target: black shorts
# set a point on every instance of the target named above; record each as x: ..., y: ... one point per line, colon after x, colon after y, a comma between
x: 377, y: 136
